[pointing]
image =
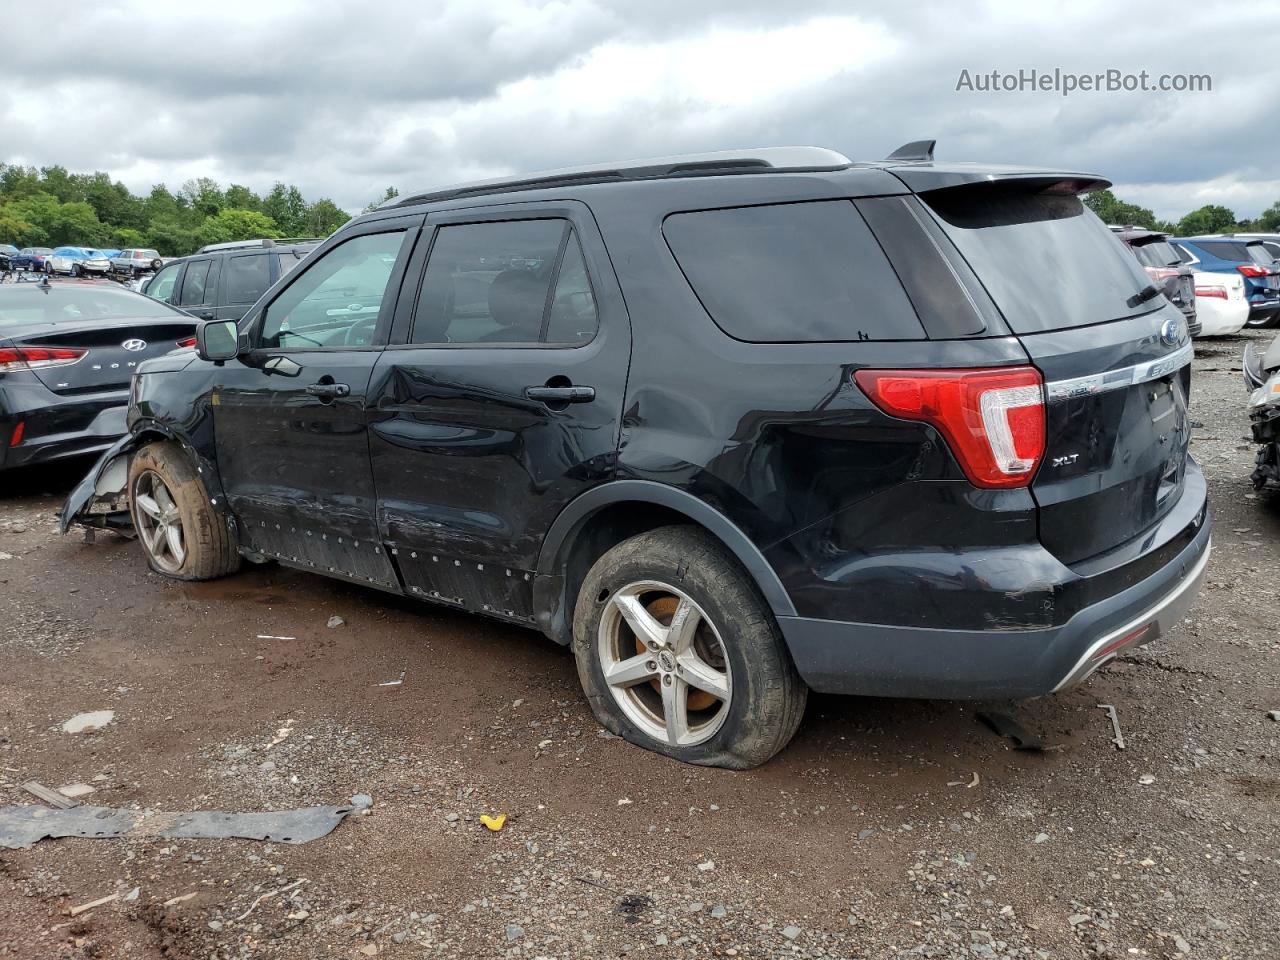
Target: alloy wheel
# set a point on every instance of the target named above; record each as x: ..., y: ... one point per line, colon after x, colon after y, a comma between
x: 159, y: 522
x: 678, y: 688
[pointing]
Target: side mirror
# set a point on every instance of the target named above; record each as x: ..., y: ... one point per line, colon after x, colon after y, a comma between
x: 217, y: 340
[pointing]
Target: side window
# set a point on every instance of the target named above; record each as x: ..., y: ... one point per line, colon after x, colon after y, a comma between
x: 335, y: 303
x: 247, y: 277
x: 287, y: 262
x: 194, y: 283
x: 1186, y: 255
x: 806, y: 272
x: 504, y: 282
x: 161, y: 285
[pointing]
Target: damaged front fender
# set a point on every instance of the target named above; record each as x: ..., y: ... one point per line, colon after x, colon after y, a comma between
x: 101, y: 498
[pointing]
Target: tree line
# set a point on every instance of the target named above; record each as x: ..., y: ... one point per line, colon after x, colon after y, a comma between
x: 49, y: 207
x: 1211, y: 218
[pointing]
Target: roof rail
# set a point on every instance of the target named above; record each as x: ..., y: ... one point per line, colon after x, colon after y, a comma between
x: 262, y: 242
x: 718, y: 163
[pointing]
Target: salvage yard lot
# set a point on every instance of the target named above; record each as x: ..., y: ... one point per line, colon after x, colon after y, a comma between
x: 889, y: 828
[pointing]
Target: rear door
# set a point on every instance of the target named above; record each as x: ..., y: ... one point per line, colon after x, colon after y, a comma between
x: 1116, y: 360
x: 244, y: 278
x: 502, y: 402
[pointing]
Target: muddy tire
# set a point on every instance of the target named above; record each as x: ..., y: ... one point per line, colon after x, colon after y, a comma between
x: 678, y: 652
x: 179, y: 531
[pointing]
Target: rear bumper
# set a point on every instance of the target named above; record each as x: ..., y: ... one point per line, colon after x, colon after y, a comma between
x: 55, y: 427
x: 930, y: 662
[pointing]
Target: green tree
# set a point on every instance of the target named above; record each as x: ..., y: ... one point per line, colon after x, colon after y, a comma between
x: 15, y: 230
x: 57, y: 181
x: 232, y: 224
x: 1269, y: 220
x: 1211, y: 218
x: 285, y: 205
x: 173, y: 237
x: 78, y: 224
x: 390, y: 194
x: 204, y: 196
x: 323, y: 217
x: 242, y: 198
x: 126, y: 238
x: 16, y: 181
x: 1112, y: 210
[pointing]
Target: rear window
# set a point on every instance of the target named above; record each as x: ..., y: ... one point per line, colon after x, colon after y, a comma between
x: 1047, y: 262
x: 1157, y: 253
x: 27, y: 303
x: 1237, y: 250
x: 800, y: 272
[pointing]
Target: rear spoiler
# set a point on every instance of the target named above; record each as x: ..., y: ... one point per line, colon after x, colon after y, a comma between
x: 921, y: 177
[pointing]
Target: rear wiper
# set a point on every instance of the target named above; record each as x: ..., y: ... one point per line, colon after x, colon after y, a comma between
x: 1142, y: 296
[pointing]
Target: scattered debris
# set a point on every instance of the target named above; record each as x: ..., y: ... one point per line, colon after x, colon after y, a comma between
x: 76, y: 911
x: 1146, y: 779
x: 1118, y: 739
x: 21, y: 826
x: 970, y: 785
x: 52, y: 797
x: 267, y: 636
x: 174, y: 901
x: 268, y: 895
x: 334, y: 622
x: 393, y: 683
x: 74, y: 790
x: 791, y: 932
x: 706, y: 866
x: 719, y: 911
x: 281, y: 735
x: 1273, y: 715
x: 132, y: 895
x: 1005, y: 726
x: 1041, y: 838
x: 494, y: 823
x: 514, y: 931
x: 86, y: 722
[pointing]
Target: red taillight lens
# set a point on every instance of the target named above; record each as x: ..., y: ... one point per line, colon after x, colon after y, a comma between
x: 32, y: 358
x: 1251, y: 270
x: 993, y: 419
x: 1161, y: 273
x: 15, y: 437
x: 187, y: 342
x: 1219, y: 292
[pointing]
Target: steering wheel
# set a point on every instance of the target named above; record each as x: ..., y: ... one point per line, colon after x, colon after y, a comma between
x: 360, y: 334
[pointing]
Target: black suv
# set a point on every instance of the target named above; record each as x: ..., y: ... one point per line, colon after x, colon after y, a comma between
x: 733, y: 426
x: 223, y: 280
x: 1164, y: 266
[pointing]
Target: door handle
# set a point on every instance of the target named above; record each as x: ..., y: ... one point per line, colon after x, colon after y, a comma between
x: 328, y: 391
x: 205, y: 315
x: 561, y: 394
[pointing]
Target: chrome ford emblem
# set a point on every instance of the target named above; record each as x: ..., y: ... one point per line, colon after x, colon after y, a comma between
x: 1171, y: 331
x: 134, y: 344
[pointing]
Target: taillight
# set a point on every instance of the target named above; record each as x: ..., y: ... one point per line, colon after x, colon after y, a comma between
x: 187, y: 342
x: 1252, y: 270
x: 1219, y: 292
x: 34, y: 358
x: 993, y: 419
x: 1161, y: 273
x: 15, y: 437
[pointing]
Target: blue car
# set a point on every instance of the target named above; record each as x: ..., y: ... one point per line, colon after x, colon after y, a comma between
x: 1226, y: 253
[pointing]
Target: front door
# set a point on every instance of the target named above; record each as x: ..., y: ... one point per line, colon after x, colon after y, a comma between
x: 498, y: 401
x: 290, y: 418
x: 198, y: 293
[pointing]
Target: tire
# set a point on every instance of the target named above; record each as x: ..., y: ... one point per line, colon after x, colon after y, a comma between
x: 654, y: 575
x: 77, y: 270
x: 205, y: 547
x: 1263, y: 322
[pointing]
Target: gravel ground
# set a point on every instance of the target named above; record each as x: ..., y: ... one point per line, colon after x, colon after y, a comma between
x: 888, y: 829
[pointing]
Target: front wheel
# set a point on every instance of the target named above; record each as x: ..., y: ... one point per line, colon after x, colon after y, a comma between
x: 181, y: 534
x: 678, y: 652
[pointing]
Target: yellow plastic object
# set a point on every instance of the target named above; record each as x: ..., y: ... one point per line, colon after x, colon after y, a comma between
x: 493, y: 823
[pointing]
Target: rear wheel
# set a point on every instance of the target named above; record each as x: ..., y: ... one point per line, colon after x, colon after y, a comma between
x: 181, y: 534
x: 76, y: 270
x: 1260, y: 320
x: 678, y: 652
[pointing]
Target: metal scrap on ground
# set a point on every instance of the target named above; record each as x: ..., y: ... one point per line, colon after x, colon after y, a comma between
x: 21, y: 826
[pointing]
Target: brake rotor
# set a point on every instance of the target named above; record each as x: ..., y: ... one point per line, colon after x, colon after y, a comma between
x: 663, y: 609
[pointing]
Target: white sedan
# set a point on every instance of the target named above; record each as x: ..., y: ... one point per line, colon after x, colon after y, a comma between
x: 1221, y: 306
x: 77, y: 261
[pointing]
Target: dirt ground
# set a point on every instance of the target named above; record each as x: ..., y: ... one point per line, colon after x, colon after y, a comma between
x: 888, y: 829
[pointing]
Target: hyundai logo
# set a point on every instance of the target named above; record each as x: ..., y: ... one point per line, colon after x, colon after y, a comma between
x: 1171, y: 331
x: 135, y: 345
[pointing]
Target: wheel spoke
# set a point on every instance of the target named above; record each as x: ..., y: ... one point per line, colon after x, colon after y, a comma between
x: 629, y: 672
x: 684, y: 623
x: 643, y: 625
x: 675, y: 710
x: 173, y: 536
x: 155, y: 538
x: 164, y: 500
x: 703, y: 676
x: 149, y: 506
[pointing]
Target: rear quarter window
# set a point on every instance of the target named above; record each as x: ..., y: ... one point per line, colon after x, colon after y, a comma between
x: 786, y: 273
x: 1226, y: 250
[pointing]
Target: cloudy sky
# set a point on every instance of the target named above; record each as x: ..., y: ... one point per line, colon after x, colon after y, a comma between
x: 344, y: 99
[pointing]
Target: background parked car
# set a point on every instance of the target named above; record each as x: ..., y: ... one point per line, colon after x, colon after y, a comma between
x: 136, y: 262
x: 1250, y: 259
x: 1163, y: 264
x: 223, y: 280
x: 8, y: 250
x: 1269, y: 240
x: 67, y: 353
x: 31, y: 258
x: 1221, y: 306
x: 77, y: 261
